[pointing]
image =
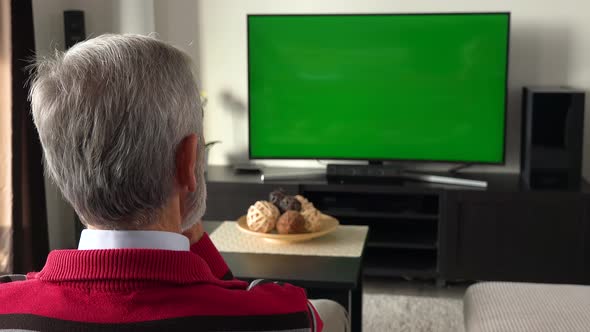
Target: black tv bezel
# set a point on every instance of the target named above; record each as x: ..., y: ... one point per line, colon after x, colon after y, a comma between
x: 470, y: 162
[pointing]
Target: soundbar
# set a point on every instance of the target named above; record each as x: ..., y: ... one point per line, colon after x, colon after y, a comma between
x: 343, y: 172
x: 287, y: 175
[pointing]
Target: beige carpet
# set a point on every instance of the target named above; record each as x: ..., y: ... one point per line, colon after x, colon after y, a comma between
x: 401, y: 313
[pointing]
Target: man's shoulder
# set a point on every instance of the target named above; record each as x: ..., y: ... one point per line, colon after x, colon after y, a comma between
x: 265, y: 305
x: 14, y: 282
x: 19, y: 288
x: 12, y: 278
x: 16, y: 290
x: 17, y: 285
x: 260, y: 297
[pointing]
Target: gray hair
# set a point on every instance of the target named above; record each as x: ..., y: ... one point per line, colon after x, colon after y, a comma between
x: 110, y: 113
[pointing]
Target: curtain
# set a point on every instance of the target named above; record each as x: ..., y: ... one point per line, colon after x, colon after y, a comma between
x: 30, y: 243
x: 5, y: 141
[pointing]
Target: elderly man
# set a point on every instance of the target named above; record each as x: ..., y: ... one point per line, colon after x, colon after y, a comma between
x: 121, y: 127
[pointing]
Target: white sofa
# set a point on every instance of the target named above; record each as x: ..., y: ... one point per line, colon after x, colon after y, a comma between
x: 520, y: 307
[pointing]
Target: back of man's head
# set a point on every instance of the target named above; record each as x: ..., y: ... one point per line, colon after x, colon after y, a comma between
x: 110, y: 113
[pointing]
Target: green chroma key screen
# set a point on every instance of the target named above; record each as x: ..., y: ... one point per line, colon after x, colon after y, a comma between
x: 378, y: 87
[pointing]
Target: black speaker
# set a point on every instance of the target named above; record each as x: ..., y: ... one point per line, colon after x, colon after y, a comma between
x: 552, y: 137
x: 74, y: 28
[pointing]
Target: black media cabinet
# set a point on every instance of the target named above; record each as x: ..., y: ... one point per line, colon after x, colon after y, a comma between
x: 421, y: 230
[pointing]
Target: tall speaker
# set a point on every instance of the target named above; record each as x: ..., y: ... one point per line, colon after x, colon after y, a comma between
x: 74, y: 28
x: 552, y: 137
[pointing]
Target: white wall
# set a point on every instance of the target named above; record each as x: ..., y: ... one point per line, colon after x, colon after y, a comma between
x: 176, y: 23
x: 133, y: 16
x: 48, y: 20
x: 549, y: 46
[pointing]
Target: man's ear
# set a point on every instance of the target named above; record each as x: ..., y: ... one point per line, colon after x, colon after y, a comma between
x: 186, y: 161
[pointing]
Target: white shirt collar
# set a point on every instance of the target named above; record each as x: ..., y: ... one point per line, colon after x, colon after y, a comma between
x: 91, y: 239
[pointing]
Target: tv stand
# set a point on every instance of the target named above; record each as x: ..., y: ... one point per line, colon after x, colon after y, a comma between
x: 379, y: 172
x: 504, y: 232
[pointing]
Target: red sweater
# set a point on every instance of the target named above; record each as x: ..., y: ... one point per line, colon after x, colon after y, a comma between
x: 150, y: 290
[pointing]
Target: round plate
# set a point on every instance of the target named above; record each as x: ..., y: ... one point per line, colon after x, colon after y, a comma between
x: 329, y: 224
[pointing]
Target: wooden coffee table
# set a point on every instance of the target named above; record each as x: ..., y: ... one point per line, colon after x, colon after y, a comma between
x: 329, y: 277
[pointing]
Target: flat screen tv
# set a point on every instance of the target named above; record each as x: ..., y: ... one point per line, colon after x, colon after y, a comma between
x: 377, y: 87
